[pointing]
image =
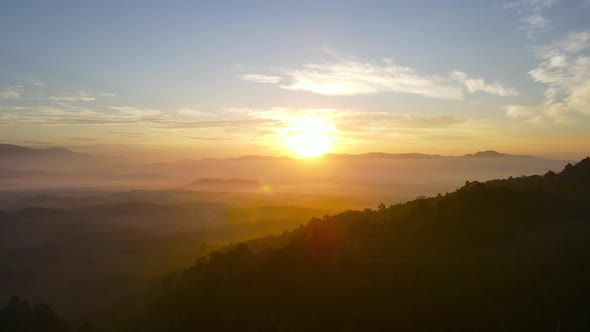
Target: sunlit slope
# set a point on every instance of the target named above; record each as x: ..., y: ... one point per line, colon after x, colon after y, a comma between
x: 502, y: 255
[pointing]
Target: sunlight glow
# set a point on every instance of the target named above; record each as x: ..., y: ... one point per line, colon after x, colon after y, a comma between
x: 308, y: 135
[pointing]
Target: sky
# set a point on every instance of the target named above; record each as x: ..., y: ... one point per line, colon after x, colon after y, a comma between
x: 164, y: 80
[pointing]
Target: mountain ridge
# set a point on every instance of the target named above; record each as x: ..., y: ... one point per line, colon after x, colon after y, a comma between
x: 7, y: 149
x: 494, y: 255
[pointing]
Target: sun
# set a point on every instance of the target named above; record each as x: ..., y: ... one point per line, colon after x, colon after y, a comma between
x: 308, y: 136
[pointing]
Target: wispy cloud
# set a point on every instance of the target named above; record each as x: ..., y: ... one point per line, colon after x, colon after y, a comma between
x: 193, y: 112
x: 259, y: 78
x: 12, y: 92
x: 59, y: 109
x: 67, y: 114
x: 215, y: 123
x: 527, y: 113
x: 359, y: 78
x: 480, y: 85
x: 129, y: 134
x: 348, y: 76
x: 531, y: 12
x: 32, y: 120
x: 202, y: 138
x: 74, y: 96
x: 565, y: 72
x: 534, y: 21
x: 83, y: 139
x: 62, y: 114
x: 369, y: 126
x: 134, y: 111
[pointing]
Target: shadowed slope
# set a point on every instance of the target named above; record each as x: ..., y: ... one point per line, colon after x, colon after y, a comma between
x: 503, y: 255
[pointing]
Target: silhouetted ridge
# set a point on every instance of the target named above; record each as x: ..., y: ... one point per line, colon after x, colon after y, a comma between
x: 19, y: 315
x: 9, y: 149
x: 14, y: 149
x: 500, y: 255
x: 486, y: 154
x: 381, y: 155
x: 579, y: 171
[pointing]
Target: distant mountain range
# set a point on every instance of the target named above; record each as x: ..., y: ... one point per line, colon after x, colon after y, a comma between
x: 19, y: 157
x: 8, y: 151
x: 23, y: 167
x: 382, y: 155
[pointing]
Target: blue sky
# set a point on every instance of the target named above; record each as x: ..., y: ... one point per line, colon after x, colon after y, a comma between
x: 223, y: 78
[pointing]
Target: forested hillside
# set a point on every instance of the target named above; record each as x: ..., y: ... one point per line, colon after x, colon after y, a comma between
x: 508, y: 255
x: 504, y: 255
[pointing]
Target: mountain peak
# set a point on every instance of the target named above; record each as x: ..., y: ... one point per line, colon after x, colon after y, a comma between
x: 582, y: 168
x: 10, y: 148
x: 486, y: 154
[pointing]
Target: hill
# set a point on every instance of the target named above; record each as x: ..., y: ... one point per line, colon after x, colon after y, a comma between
x: 505, y: 255
x: 14, y: 157
x: 371, y: 177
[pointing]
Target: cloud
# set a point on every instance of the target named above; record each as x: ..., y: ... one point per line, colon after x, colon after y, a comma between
x: 201, y: 138
x: 531, y: 14
x: 215, y: 124
x: 347, y: 76
x: 83, y: 139
x: 11, y: 92
x: 66, y: 114
x: 134, y: 111
x: 480, y: 85
x: 534, y: 22
x: 193, y: 112
x: 128, y: 134
x: 74, y: 96
x: 359, y: 123
x: 527, y: 113
x: 409, y: 127
x: 565, y: 72
x: 520, y: 112
x: 62, y: 114
x: 251, y: 123
x: 31, y: 120
x: 55, y: 110
x: 364, y: 125
x: 259, y: 78
x: 353, y: 77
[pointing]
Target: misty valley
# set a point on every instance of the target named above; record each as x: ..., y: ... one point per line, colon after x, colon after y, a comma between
x: 294, y: 166
x: 376, y: 245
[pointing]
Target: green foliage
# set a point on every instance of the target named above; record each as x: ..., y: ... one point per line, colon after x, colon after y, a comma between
x: 20, y: 316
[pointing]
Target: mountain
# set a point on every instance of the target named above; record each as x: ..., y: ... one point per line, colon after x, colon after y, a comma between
x: 380, y: 155
x: 16, y: 157
x: 228, y: 185
x: 501, y: 255
x: 486, y: 154
x: 9, y: 150
x: 19, y: 315
x: 375, y: 176
x: 376, y: 167
x: 495, y: 154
